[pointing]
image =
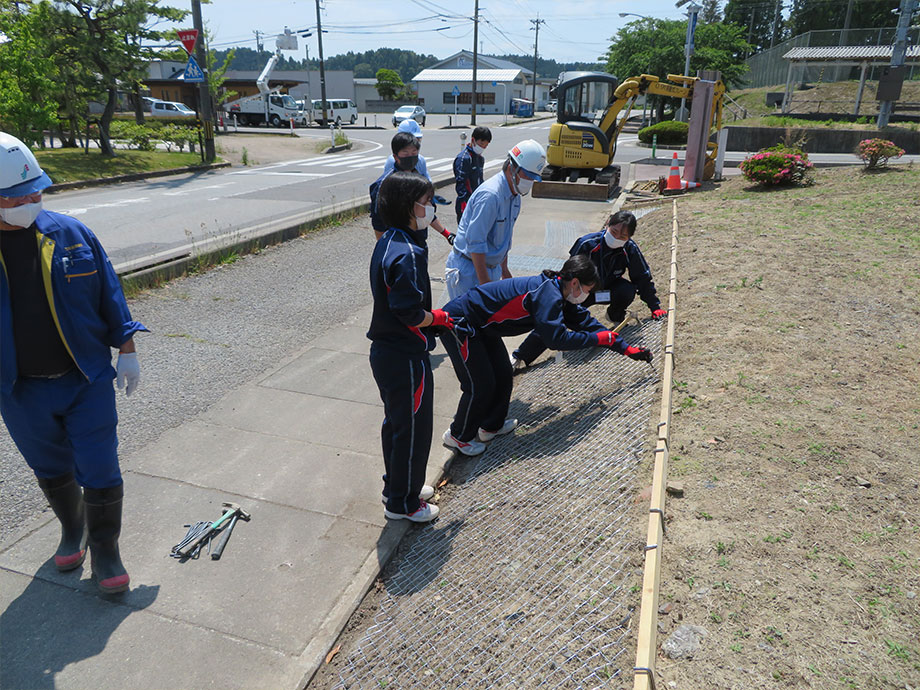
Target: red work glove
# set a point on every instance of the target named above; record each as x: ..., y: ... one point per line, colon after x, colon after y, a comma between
x: 439, y: 317
x: 659, y: 313
x: 606, y: 338
x: 640, y: 353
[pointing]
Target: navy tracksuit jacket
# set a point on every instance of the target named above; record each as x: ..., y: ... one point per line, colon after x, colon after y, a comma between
x: 400, y: 363
x: 468, y: 167
x: 612, y: 265
x: 502, y: 308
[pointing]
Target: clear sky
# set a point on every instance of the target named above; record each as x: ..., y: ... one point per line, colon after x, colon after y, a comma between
x: 575, y: 30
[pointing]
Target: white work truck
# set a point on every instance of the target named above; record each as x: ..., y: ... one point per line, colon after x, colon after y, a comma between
x: 268, y: 106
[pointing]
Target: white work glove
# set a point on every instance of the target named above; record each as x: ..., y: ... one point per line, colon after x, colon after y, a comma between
x: 127, y: 372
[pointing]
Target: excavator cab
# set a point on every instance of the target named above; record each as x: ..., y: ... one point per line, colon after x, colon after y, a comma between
x: 583, y: 138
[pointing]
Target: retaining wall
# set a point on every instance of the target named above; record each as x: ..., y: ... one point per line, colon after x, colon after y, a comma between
x: 817, y: 140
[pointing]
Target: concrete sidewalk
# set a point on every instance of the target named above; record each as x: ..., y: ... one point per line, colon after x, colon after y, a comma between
x: 299, y: 449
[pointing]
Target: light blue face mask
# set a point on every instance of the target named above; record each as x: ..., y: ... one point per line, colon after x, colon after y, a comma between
x: 21, y: 216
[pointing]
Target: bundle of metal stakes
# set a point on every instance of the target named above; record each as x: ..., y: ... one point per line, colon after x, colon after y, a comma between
x: 203, y: 532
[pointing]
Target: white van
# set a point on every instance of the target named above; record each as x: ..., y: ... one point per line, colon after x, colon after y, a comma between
x: 338, y: 110
x: 157, y: 108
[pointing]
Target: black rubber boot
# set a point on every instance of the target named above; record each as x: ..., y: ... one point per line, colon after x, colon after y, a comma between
x: 103, y: 518
x: 66, y: 499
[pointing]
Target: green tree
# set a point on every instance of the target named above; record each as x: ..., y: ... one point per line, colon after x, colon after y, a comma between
x: 807, y: 15
x: 755, y: 18
x: 389, y: 84
x: 112, y: 38
x: 710, y: 14
x: 656, y: 46
x: 27, y: 75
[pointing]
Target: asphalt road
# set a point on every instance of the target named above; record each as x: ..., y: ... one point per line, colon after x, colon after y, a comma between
x: 169, y: 216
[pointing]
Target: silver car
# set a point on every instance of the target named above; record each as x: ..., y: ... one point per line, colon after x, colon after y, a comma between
x: 409, y: 112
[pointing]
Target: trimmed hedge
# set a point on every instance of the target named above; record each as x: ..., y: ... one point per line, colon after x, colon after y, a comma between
x: 669, y: 132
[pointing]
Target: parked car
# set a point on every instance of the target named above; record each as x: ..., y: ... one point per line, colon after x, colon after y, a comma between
x: 409, y: 112
x: 157, y: 108
x: 338, y: 110
x: 551, y: 106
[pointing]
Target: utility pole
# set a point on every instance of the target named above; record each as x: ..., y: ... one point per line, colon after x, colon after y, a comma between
x: 322, y: 65
x: 898, y: 52
x: 776, y: 15
x: 258, y: 40
x: 204, y: 91
x: 693, y: 12
x: 536, y: 27
x: 475, y: 60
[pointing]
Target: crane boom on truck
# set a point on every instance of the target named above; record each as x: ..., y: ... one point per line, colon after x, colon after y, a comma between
x: 593, y: 107
x: 269, y: 106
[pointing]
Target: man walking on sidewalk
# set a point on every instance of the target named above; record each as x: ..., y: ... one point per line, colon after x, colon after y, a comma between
x: 480, y: 253
x: 62, y: 309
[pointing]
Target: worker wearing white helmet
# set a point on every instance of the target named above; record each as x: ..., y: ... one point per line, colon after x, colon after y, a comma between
x: 480, y: 253
x: 61, y: 311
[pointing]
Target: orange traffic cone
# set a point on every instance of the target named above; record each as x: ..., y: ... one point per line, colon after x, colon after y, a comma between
x: 674, y: 181
x: 691, y: 185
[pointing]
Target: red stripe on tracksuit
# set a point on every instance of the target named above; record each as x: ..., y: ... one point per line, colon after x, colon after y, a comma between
x: 512, y: 311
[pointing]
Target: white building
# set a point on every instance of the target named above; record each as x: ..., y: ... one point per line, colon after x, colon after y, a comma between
x: 497, y: 82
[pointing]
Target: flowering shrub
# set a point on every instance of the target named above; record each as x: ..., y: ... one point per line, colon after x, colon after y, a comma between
x: 876, y: 152
x: 778, y: 165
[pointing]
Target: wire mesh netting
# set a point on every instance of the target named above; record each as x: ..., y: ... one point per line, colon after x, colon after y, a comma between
x: 524, y: 581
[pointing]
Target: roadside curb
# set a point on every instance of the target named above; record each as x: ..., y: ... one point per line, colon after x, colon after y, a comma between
x: 153, y: 270
x: 133, y: 177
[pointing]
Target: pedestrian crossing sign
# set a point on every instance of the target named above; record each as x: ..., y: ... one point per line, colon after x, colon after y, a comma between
x: 193, y: 71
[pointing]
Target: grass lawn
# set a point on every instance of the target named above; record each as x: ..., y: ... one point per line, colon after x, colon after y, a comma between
x: 73, y: 165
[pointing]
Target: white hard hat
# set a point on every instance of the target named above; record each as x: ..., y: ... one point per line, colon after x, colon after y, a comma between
x: 20, y: 173
x: 411, y: 126
x: 529, y: 157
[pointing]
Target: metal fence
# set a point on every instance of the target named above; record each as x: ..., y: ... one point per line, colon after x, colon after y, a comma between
x: 768, y: 68
x: 527, y: 579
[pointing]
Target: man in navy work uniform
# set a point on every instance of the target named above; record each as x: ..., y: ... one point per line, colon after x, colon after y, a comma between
x: 61, y: 311
x: 421, y: 167
x: 483, y: 239
x: 615, y: 254
x: 468, y: 167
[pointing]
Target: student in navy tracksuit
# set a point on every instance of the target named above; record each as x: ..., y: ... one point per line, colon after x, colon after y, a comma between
x: 468, y: 167
x: 402, y: 334
x: 548, y: 303
x: 614, y: 253
x: 405, y: 149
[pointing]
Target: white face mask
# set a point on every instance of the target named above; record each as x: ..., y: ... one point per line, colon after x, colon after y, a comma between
x: 612, y: 241
x: 524, y: 186
x: 422, y: 223
x: 477, y: 149
x: 21, y: 216
x: 581, y: 298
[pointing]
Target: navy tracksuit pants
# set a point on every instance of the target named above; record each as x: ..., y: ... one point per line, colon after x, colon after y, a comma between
x: 622, y: 294
x: 407, y: 391
x: 484, y: 371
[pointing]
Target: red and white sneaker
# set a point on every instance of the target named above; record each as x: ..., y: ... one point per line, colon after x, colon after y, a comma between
x: 509, y: 426
x: 426, y: 494
x: 426, y: 513
x: 471, y: 447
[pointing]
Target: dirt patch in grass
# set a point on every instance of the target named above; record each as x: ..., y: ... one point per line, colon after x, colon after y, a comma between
x: 795, y: 433
x: 263, y: 149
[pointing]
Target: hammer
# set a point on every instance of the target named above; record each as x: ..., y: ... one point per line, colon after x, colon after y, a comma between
x: 225, y: 535
x: 630, y: 316
x: 230, y: 509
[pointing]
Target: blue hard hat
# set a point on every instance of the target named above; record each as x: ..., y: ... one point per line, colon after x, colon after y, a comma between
x: 411, y: 126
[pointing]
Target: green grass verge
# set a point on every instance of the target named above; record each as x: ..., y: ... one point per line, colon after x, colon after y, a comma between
x: 73, y: 165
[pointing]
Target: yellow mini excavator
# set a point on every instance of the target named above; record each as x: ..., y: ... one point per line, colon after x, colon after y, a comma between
x: 583, y: 139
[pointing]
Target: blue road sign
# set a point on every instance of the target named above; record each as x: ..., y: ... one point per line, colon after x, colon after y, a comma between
x: 193, y: 71
x: 456, y: 91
